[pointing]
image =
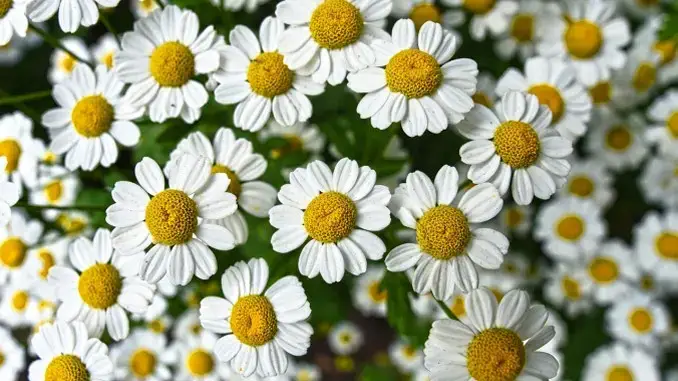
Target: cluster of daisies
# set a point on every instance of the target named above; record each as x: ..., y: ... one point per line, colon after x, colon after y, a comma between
x: 499, y: 249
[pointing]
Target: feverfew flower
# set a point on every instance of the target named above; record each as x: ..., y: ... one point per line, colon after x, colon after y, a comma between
x: 486, y: 15
x: 617, y: 142
x: 71, y: 14
x: 56, y: 186
x: 368, y: 296
x: 659, y: 181
x: 639, y: 320
x: 590, y: 179
x: 62, y: 64
x: 142, y: 356
x: 195, y: 359
x: 15, y: 239
x: 612, y: 271
x: 19, y: 148
x: 621, y: 362
x: 104, y: 50
x: 9, y: 193
x: 663, y: 131
x: 345, y: 338
x: 419, y: 11
x: 12, y: 354
x: 13, y: 20
x: 656, y: 244
x: 527, y: 24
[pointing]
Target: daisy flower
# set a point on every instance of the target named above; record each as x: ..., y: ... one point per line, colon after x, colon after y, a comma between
x: 18, y: 147
x: 261, y: 327
x: 569, y: 227
x: 299, y: 137
x: 502, y: 341
x: 174, y: 221
x: 65, y: 352
x: 555, y: 85
x: 634, y: 83
x: 9, y: 194
x: 330, y: 37
x: 71, y: 15
x: 160, y: 59
x: 638, y: 320
x: 663, y: 131
x: 485, y: 90
x: 18, y: 304
x: 530, y: 21
x: 405, y: 356
x: 62, y: 64
x: 342, y: 241
x: 569, y: 288
x: 601, y: 93
x: 416, y: 81
x: 307, y: 372
x: 619, y: 362
x: 646, y: 38
x: 104, y: 50
x: 13, y: 20
x: 236, y: 159
x: 450, y: 239
x: 486, y: 16
x: 345, y: 338
x: 40, y: 259
x: 656, y: 244
x: 56, y: 186
x: 612, y: 271
x: 142, y: 356
x: 515, y: 219
x: 195, y: 359
x: 100, y: 287
x: 514, y: 146
x: 143, y: 8
x: 589, y: 180
x: 15, y: 239
x: 187, y: 324
x: 591, y: 39
x: 419, y: 11
x: 617, y: 142
x: 12, y: 355
x: 368, y: 297
x: 161, y: 324
x: 659, y: 181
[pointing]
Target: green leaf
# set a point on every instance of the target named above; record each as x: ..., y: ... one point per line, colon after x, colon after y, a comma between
x: 399, y: 310
x: 378, y: 373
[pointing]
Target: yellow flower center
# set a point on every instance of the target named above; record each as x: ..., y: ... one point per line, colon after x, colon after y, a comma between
x: 603, y: 270
x: 49, y: 157
x: 409, y: 351
x: 517, y: 144
x: 522, y: 27
x: 13, y: 252
x: 67, y: 63
x: 66, y: 368
x: 647, y: 283
x: 235, y: 186
x: 148, y: 5
x: 666, y: 50
x: 47, y: 260
x: 581, y: 186
x: 549, y: 96
x: 172, y: 64
x: 253, y: 320
x: 482, y: 99
x: 583, y: 39
x: 443, y: 232
x: 2, y: 358
x: 335, y: 24
x: 640, y: 320
x: 196, y: 329
x: 100, y: 285
x: 601, y: 93
x: 672, y: 125
x: 5, y: 6
x: 571, y: 288
x: 495, y: 354
x: 413, y: 73
x: 376, y: 293
x: 157, y: 326
x: 92, y: 116
x: 107, y: 59
x: 458, y: 307
x: 423, y: 12
x: 618, y: 138
x: 479, y: 7
x: 19, y: 301
x: 53, y: 191
x: 514, y: 217
x: 330, y: 216
x: 644, y: 77
x: 269, y: 76
x: 619, y: 373
x: 71, y: 226
x: 200, y: 362
x: 570, y: 227
x: 11, y: 150
x: 344, y: 364
x: 667, y: 245
x: 345, y: 338
x: 172, y: 217
x: 142, y: 363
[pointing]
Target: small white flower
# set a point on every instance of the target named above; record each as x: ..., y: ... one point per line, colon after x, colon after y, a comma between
x: 13, y: 20
x: 143, y: 8
x: 659, y: 181
x: 299, y: 137
x: 368, y: 297
x: 612, y: 271
x: 40, y: 259
x: 419, y: 11
x: 9, y: 194
x: 19, y: 149
x: 486, y: 16
x: 639, y: 321
x: 486, y: 88
x: 617, y: 142
x: 526, y: 26
x: 568, y: 287
x: 15, y: 240
x: 104, y: 50
x: 142, y: 356
x: 56, y: 186
x: 62, y: 64
x: 646, y: 40
x: 195, y: 359
x: 18, y: 304
x: 345, y: 338
x: 72, y: 13
x: 656, y: 245
x: 663, y: 131
x: 516, y: 219
x: 621, y: 362
x: 187, y: 324
x: 405, y: 356
x: 589, y: 180
x: 12, y: 354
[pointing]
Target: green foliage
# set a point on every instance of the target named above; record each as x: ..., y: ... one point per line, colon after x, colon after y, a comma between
x: 669, y: 29
x: 400, y: 315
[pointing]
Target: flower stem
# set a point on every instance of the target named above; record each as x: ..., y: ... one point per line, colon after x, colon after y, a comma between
x: 447, y: 310
x: 55, y: 42
x: 25, y: 97
x: 95, y: 208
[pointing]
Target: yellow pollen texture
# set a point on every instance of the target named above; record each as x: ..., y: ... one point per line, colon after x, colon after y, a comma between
x: 423, y: 12
x: 570, y: 227
x: 666, y: 50
x: 603, y: 270
x: 495, y: 354
x: 47, y: 260
x: 200, y: 362
x: 479, y: 7
x: 107, y: 60
x: 142, y: 363
x: 100, y: 285
x: 234, y: 187
x: 19, y: 301
x: 67, y: 63
x: 172, y: 217
x: 458, y: 306
x: 157, y: 326
x: 601, y: 93
x: 92, y: 116
x: 13, y: 252
x: 443, y: 232
x: 618, y: 138
x: 549, y: 96
x: 581, y: 186
x: 482, y: 99
x: 644, y: 77
x: 517, y: 144
x: 640, y: 320
x: 172, y: 64
x: 583, y: 39
x: 376, y: 293
x: 330, y: 216
x: 619, y: 373
x: 11, y: 150
x: 66, y: 368
x: 269, y: 76
x: 335, y: 24
x: 522, y: 27
x: 413, y: 73
x: 667, y: 245
x: 253, y: 320
x: 5, y: 6
x: 53, y: 191
x: 671, y: 125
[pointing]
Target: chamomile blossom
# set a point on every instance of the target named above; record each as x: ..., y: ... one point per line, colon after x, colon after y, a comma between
x: 100, y: 288
x: 40, y: 259
x: 617, y: 141
x: 555, y: 85
x: 486, y: 16
x: 485, y: 90
x: 591, y: 39
x: 142, y: 356
x: 65, y: 351
x: 416, y: 82
x: 12, y: 355
x: 514, y: 146
x: 501, y: 341
x: 659, y: 181
x: 647, y: 39
x: 15, y: 240
x: 612, y: 271
x: 345, y: 338
x: 63, y: 63
x: 329, y: 38
x: 344, y: 240
x: 71, y: 15
x: 261, y: 327
x: 419, y: 11
x: 298, y: 138
x: 13, y: 20
x: 368, y: 296
x: 18, y: 147
x: 174, y: 221
x: 527, y: 24
x: 515, y: 219
x: 143, y: 8
x: 18, y: 304
x: 656, y: 244
x: 568, y: 287
x: 160, y: 59
x: 405, y: 356
x: 9, y: 194
x: 104, y: 50
x: 638, y: 320
x: 56, y: 186
x: 187, y: 324
x: 236, y: 159
x: 451, y: 241
x: 589, y: 179
x: 620, y: 362
x: 195, y: 359
x: 663, y: 130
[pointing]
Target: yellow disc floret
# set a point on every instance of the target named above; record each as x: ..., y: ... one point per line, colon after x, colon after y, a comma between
x: 495, y: 354
x: 603, y: 270
x: 172, y: 64
x: 482, y: 99
x: 667, y: 245
x: 583, y: 39
x: 99, y: 286
x: 92, y: 116
x: 253, y: 320
x: 581, y: 186
x: 443, y: 232
x: 571, y: 288
x: 479, y: 7
x: 644, y: 77
x: 5, y: 6
x: 66, y: 368
x: 53, y: 191
x: 640, y: 319
x: 171, y: 217
x: 601, y: 93
x: 13, y: 252
x: 458, y: 306
x: 423, y: 12
x: 517, y: 144
x: 522, y: 27
x: 376, y: 293
x: 107, y: 59
x: 269, y: 76
x: 413, y: 73
x: 549, y: 96
x: 11, y: 150
x: 666, y: 50
x: 671, y: 125
x: 570, y: 227
x: 142, y: 363
x: 235, y: 186
x: 619, y: 373
x: 618, y: 138
x: 19, y: 301
x: 335, y: 24
x: 67, y: 63
x: 330, y: 216
x: 200, y: 363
